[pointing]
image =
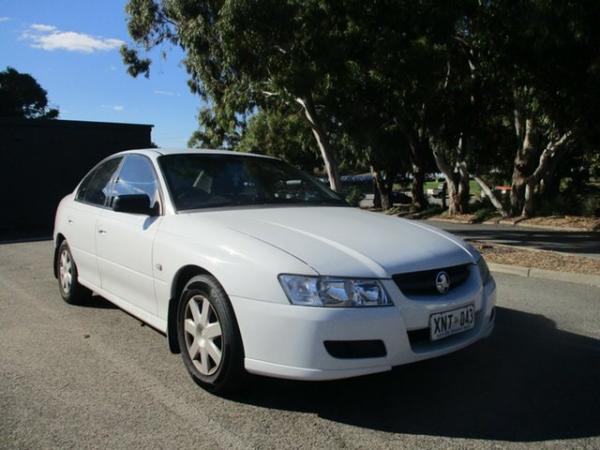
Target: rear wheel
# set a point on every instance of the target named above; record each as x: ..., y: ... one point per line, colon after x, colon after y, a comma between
x: 68, y: 283
x: 209, y: 338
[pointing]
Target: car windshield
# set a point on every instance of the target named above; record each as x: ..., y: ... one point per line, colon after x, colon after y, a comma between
x: 214, y: 180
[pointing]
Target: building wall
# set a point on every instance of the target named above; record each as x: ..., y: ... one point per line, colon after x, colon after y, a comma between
x: 41, y: 161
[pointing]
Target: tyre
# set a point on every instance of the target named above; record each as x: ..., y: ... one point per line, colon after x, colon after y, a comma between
x: 209, y: 337
x: 68, y: 283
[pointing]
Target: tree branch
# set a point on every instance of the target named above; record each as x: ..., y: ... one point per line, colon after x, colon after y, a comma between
x: 490, y: 194
x: 549, y: 153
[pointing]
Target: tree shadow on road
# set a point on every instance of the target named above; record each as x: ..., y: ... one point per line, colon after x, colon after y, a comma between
x: 528, y: 382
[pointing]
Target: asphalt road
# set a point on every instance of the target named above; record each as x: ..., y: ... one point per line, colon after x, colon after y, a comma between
x: 584, y: 243
x: 94, y: 377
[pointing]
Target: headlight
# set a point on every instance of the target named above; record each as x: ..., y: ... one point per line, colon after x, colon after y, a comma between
x: 330, y: 291
x: 484, y: 271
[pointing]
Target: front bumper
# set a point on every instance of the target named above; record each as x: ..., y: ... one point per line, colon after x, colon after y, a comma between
x: 287, y: 341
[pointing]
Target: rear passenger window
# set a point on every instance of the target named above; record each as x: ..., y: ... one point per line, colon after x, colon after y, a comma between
x: 96, y: 185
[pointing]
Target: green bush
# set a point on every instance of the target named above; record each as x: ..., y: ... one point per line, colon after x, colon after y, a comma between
x: 590, y: 206
x: 568, y: 203
x: 484, y: 213
x: 354, y: 195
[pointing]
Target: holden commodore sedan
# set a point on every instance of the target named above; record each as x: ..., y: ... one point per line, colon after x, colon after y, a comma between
x: 250, y: 265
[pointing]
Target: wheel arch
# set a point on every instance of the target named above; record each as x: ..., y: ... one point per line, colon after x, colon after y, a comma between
x: 182, y: 276
x: 57, y: 242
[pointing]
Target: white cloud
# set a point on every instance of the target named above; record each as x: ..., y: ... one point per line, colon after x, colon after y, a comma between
x: 48, y: 37
x: 169, y: 93
x: 4, y: 19
x: 43, y: 28
x: 117, y: 108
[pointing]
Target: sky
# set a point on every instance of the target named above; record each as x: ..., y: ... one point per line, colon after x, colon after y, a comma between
x: 71, y: 47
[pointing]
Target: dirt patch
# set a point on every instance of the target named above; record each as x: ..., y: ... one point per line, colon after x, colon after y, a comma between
x: 555, y: 222
x: 583, y: 223
x: 459, y: 218
x: 539, y: 259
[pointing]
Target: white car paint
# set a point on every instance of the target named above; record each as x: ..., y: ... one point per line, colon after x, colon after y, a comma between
x: 134, y: 261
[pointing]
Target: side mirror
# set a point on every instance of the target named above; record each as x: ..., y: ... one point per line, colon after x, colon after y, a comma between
x: 133, y: 204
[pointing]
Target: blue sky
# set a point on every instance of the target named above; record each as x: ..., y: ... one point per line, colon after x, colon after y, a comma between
x: 72, y: 48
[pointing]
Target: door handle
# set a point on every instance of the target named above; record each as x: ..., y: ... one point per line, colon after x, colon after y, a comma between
x: 101, y: 231
x: 69, y: 220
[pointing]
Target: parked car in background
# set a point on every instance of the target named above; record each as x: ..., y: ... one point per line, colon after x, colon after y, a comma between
x: 248, y: 264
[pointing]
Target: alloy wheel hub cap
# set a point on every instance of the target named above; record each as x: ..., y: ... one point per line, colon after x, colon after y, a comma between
x: 203, y: 335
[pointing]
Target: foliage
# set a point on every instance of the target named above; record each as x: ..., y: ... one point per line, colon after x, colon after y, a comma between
x: 21, y: 96
x: 284, y: 136
x: 354, y: 194
x: 502, y: 91
x: 484, y: 213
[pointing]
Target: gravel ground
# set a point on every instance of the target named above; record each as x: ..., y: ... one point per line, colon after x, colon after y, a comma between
x: 94, y: 377
x: 539, y: 259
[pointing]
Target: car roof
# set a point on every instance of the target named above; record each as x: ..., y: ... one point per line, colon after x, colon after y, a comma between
x: 154, y: 152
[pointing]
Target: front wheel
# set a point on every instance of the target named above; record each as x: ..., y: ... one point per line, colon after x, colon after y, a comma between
x: 209, y: 338
x: 68, y: 282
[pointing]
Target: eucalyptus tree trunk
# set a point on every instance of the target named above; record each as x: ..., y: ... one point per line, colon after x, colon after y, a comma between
x: 452, y: 185
x: 458, y: 201
x: 376, y: 192
x: 490, y: 194
x: 529, y: 169
x: 464, y: 193
x: 327, y: 154
x: 552, y: 152
x: 384, y: 186
x: 381, y: 191
x: 464, y: 190
x: 457, y: 179
x: 418, y: 182
x: 416, y: 149
x: 525, y: 153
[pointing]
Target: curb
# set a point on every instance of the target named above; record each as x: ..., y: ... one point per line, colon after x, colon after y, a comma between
x: 530, y: 272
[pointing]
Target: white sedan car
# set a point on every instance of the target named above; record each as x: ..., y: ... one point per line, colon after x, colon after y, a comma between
x: 247, y: 264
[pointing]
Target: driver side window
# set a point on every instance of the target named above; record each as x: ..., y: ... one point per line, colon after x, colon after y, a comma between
x: 137, y: 176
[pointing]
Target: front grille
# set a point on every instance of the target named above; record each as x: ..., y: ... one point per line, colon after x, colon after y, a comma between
x: 424, y: 282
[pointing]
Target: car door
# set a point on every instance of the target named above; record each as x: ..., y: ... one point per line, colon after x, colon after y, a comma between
x: 124, y: 240
x: 81, y: 215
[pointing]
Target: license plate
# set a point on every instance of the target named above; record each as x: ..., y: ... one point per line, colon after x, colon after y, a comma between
x: 444, y: 324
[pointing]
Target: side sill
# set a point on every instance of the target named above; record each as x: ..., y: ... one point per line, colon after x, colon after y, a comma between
x: 155, y: 322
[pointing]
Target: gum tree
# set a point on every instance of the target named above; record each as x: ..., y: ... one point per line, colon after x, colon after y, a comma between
x: 22, y: 96
x: 546, y: 60
x: 240, y: 54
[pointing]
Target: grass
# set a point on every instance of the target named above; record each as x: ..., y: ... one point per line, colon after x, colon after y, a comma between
x: 473, y: 186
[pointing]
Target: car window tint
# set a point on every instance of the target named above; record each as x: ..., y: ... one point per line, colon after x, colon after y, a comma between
x: 95, y: 187
x: 136, y: 177
x: 204, y: 181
